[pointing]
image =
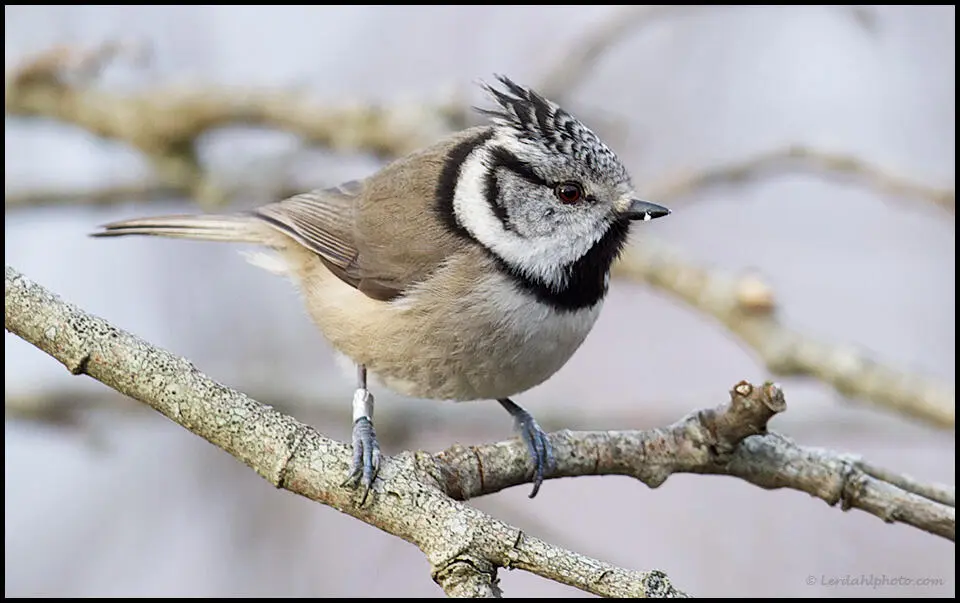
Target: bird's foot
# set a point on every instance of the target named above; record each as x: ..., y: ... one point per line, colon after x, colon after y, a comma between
x: 541, y: 452
x: 366, y: 449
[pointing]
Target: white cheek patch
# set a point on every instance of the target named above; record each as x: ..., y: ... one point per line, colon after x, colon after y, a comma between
x: 542, y: 258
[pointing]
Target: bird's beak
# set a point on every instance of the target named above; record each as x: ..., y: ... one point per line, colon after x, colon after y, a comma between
x: 644, y: 210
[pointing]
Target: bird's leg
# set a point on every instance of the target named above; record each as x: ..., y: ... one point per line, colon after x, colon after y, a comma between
x: 366, y: 450
x: 537, y: 442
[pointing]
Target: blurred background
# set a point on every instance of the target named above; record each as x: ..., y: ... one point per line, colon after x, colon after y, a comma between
x: 105, y: 498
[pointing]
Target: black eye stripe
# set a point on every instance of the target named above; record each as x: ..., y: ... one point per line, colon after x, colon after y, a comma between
x: 502, y: 158
x: 492, y: 189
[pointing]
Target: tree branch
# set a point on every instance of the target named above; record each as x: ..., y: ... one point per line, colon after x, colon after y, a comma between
x: 462, y: 543
x: 65, y: 408
x: 52, y: 85
x: 58, y: 84
x: 728, y: 440
x: 799, y: 157
x: 573, y: 66
x: 568, y: 73
x: 165, y: 124
x: 407, y: 502
x: 108, y: 195
x: 168, y: 121
x: 469, y: 577
x: 941, y: 493
x: 747, y: 308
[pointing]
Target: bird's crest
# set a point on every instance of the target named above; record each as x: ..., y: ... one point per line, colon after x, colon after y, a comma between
x: 537, y: 120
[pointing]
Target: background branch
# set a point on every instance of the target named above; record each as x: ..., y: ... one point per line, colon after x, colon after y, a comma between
x: 573, y: 66
x: 796, y: 158
x: 747, y: 308
x: 165, y: 126
x: 107, y: 195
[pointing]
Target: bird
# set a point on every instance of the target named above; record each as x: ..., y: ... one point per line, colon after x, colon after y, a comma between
x: 471, y: 269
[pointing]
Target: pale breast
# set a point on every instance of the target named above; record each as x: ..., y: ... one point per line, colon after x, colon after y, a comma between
x: 494, y: 342
x: 466, y: 333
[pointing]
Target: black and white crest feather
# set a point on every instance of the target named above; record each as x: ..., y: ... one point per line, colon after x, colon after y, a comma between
x: 536, y: 120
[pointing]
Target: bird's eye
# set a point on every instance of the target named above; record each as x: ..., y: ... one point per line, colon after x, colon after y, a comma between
x: 569, y: 192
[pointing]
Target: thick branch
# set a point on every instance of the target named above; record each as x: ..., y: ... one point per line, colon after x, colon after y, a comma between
x: 291, y: 455
x: 469, y: 577
x: 66, y: 408
x: 746, y: 307
x: 728, y: 440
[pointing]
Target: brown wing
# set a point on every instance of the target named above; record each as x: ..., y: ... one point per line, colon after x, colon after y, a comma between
x: 322, y: 221
x: 325, y: 222
x: 380, y: 235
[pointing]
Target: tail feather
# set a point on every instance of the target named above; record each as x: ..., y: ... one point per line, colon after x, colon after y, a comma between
x: 235, y: 228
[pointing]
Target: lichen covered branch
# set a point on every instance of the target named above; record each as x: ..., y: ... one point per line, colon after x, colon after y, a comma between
x: 731, y: 439
x: 289, y: 454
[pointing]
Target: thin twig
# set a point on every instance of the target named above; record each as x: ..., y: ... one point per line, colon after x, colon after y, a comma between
x: 574, y: 65
x: 66, y: 406
x: 585, y: 51
x: 939, y: 492
x: 799, y: 157
x: 108, y: 195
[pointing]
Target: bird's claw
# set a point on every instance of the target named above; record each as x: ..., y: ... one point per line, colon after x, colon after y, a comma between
x: 541, y: 451
x: 366, y: 458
